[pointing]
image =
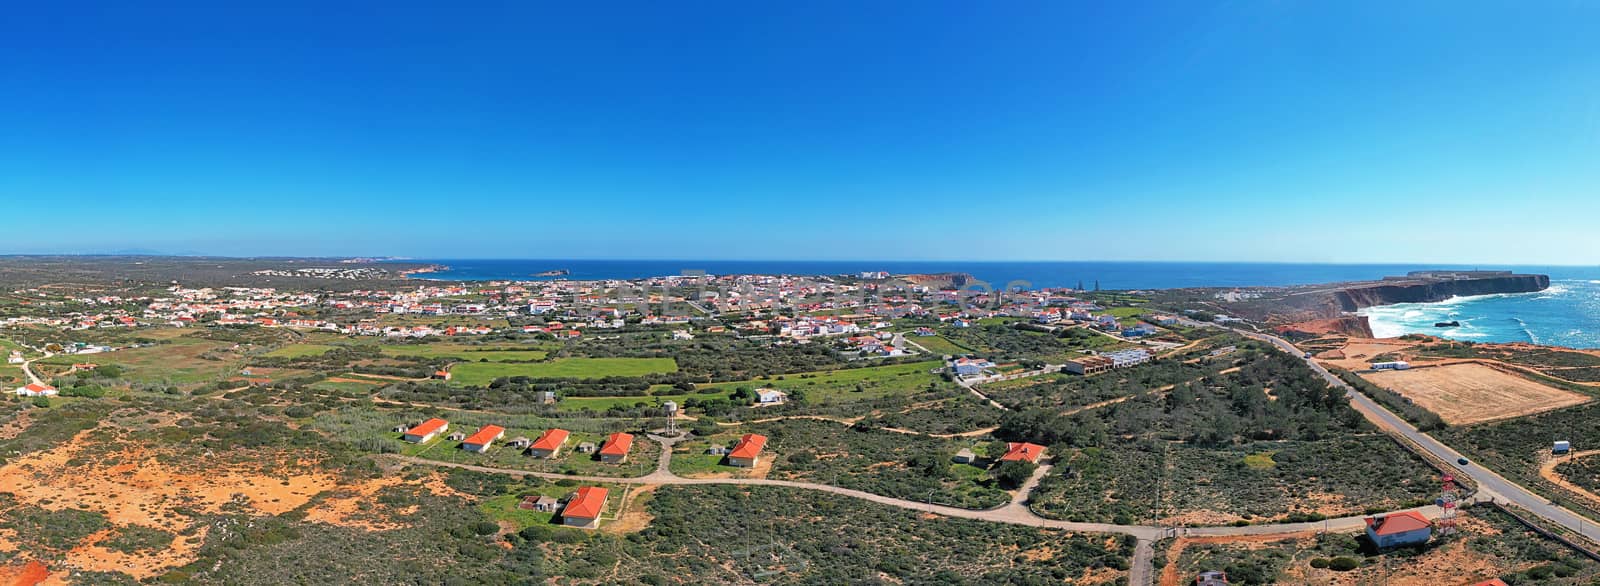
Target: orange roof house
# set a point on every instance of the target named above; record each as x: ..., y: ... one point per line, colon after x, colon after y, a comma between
x: 480, y: 440
x: 584, y: 509
x: 37, y: 390
x: 1023, y: 452
x: 1397, y: 529
x: 616, y: 447
x: 427, y: 430
x: 748, y: 450
x: 548, y: 443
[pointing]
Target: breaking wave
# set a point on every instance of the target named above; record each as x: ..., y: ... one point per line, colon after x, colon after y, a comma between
x: 1565, y: 314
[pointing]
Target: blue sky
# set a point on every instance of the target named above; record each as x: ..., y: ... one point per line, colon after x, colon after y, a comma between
x: 1253, y: 131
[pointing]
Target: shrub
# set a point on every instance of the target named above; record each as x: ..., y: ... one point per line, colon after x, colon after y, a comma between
x: 1344, y: 564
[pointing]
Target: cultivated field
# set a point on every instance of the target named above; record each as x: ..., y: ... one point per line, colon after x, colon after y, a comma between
x: 483, y: 373
x: 1473, y: 393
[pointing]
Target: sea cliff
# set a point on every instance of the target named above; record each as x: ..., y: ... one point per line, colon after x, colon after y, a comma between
x: 1433, y: 290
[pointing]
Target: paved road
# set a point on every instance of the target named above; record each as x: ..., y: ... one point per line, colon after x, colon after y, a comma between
x: 1491, y: 485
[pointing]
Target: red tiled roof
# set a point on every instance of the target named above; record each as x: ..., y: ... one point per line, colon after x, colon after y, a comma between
x: 748, y: 446
x: 617, y: 444
x: 1022, y: 451
x: 552, y: 439
x: 485, y: 435
x: 587, y: 504
x: 427, y: 427
x: 1400, y: 522
x: 36, y: 387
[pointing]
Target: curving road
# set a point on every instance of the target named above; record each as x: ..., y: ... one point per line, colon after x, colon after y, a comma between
x: 1015, y: 512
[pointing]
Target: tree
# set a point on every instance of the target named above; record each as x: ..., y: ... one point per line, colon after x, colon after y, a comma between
x: 1014, y: 473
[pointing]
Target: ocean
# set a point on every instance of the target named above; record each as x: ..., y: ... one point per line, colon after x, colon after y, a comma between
x: 1567, y: 314
x: 1111, y: 275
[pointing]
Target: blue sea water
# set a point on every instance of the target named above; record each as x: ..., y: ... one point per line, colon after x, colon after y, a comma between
x: 1111, y: 275
x: 1567, y: 314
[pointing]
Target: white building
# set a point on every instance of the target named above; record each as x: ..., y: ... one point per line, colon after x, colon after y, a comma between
x: 769, y: 396
x: 36, y: 390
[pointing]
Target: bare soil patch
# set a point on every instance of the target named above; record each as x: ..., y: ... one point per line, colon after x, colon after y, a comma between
x: 1467, y: 393
x: 131, y: 485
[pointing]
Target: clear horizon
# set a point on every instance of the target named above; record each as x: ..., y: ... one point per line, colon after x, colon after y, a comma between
x: 1355, y: 133
x: 392, y: 258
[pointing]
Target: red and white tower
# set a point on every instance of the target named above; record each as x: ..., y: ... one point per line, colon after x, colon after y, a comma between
x: 1449, y: 499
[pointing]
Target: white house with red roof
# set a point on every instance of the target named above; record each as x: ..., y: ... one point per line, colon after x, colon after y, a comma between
x: 36, y: 390
x: 583, y: 510
x: 427, y: 430
x: 1399, y: 529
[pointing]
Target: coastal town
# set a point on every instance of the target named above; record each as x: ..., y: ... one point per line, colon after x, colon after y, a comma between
x: 546, y: 406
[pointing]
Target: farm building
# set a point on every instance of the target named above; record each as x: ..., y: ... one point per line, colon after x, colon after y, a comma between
x: 36, y: 390
x: 586, y: 448
x: 1561, y: 447
x: 965, y: 456
x: 616, y: 448
x: 483, y: 438
x: 583, y: 510
x: 548, y: 444
x: 769, y: 396
x: 1022, y: 452
x: 457, y: 436
x: 540, y: 503
x: 427, y: 430
x: 1211, y: 578
x: 1399, y: 529
x: 747, y: 451
x: 442, y: 374
x: 1396, y: 365
x: 519, y: 442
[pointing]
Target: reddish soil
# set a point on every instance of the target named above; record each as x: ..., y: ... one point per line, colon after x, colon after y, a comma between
x: 131, y: 485
x: 27, y: 574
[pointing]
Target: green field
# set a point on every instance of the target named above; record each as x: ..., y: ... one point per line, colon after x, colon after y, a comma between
x: 483, y: 373
x: 298, y: 350
x: 851, y: 384
x: 1122, y: 312
x: 468, y: 352
x: 344, y: 386
x: 604, y: 403
x: 180, y: 362
x: 938, y: 345
x: 11, y: 375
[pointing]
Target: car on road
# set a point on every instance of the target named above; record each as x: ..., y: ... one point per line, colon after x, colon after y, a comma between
x: 1462, y: 461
